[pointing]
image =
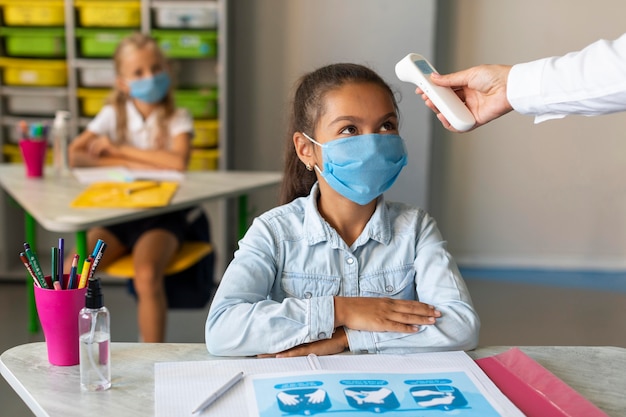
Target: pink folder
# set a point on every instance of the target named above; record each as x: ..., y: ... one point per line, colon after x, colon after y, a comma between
x: 533, y: 389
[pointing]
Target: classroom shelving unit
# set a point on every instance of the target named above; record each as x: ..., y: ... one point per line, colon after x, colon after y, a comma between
x: 56, y: 55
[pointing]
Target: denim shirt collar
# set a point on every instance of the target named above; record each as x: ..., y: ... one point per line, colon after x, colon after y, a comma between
x: 318, y: 230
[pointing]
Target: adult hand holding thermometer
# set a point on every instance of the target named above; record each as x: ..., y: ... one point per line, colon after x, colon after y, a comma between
x: 415, y: 69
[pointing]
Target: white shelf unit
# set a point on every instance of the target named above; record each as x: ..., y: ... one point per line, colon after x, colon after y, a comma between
x: 205, y: 71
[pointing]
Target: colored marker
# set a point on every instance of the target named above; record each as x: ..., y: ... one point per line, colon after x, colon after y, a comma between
x: 36, y: 131
x: 22, y: 130
x: 71, y: 283
x: 29, y: 268
x: 85, y: 272
x: 97, y: 258
x: 60, y: 261
x: 55, y: 268
x: 96, y: 248
x: 34, y: 262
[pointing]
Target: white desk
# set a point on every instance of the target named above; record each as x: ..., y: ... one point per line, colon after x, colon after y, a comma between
x: 46, y: 200
x: 597, y: 373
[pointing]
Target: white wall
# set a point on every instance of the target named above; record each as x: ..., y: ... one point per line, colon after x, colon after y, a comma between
x: 517, y: 194
x: 276, y: 41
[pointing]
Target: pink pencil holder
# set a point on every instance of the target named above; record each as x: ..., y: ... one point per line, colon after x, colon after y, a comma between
x: 58, y: 314
x: 34, y: 155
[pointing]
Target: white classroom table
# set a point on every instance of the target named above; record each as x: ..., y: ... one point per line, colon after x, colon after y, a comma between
x: 597, y: 373
x: 46, y: 201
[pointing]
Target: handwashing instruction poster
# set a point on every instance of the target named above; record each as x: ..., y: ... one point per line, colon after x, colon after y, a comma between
x: 340, y: 394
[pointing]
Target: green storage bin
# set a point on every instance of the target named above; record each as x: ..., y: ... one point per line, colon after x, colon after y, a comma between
x: 99, y: 43
x: 187, y: 43
x: 202, y: 103
x: 34, y: 42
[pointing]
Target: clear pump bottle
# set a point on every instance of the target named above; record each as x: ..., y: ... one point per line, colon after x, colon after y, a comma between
x: 95, y: 338
x: 60, y: 139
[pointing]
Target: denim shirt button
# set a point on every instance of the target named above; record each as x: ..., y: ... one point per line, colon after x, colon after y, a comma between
x: 307, y: 295
x: 350, y: 261
x: 322, y: 335
x: 389, y: 288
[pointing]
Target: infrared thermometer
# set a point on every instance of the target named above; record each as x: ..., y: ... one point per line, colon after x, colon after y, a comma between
x: 415, y: 69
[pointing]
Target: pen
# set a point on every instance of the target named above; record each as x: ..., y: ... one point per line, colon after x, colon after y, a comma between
x: 84, y: 274
x: 217, y: 394
x: 96, y: 259
x: 36, y: 131
x: 22, y: 129
x: 34, y: 262
x: 29, y: 268
x: 71, y: 282
x: 153, y: 184
x: 60, y: 260
x: 93, y: 255
x: 55, y: 269
x: 96, y: 248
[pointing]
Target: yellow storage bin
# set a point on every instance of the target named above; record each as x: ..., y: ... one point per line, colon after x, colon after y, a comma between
x: 203, y: 160
x: 112, y: 13
x: 34, y: 72
x: 33, y: 12
x: 92, y: 100
x: 206, y: 133
x: 13, y: 155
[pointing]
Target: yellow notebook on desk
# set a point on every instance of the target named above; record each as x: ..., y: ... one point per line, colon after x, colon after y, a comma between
x: 135, y: 194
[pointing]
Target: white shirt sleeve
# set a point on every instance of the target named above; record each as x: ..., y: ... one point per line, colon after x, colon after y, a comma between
x: 181, y: 122
x: 104, y: 123
x: 588, y: 82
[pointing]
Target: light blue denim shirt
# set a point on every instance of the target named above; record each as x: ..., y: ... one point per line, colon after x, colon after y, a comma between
x: 278, y: 291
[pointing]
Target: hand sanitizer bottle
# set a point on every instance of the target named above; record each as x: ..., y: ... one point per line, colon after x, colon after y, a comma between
x: 60, y: 141
x: 95, y: 338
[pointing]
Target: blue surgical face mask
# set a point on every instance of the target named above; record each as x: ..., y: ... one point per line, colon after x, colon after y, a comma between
x: 362, y: 167
x: 150, y: 89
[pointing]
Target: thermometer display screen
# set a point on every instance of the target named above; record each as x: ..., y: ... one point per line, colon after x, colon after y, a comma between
x: 424, y: 67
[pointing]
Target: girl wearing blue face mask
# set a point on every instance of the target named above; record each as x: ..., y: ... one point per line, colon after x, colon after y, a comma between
x: 140, y: 128
x: 337, y: 267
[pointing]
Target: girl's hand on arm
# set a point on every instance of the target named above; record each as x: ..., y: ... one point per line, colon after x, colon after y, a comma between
x: 383, y: 314
x: 87, y: 151
x: 78, y: 150
x: 336, y: 344
x: 176, y: 157
x: 102, y: 146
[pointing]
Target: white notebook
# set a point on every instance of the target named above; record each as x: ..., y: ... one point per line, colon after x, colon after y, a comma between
x: 438, y: 384
x: 122, y: 174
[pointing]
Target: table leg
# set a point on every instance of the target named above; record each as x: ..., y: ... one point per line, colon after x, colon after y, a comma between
x: 81, y: 249
x: 31, y: 237
x: 243, y: 215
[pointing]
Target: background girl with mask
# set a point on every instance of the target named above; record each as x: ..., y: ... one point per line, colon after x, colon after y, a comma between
x: 337, y: 267
x: 140, y: 128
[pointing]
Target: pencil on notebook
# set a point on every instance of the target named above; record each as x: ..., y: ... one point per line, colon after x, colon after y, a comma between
x: 147, y: 186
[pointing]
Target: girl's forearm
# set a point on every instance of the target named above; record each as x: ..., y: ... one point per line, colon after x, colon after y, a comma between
x: 156, y: 159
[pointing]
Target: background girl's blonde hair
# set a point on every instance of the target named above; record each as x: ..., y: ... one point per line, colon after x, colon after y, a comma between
x: 164, y: 109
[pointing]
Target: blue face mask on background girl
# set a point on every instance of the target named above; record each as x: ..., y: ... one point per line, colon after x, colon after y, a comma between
x: 362, y: 167
x: 150, y: 89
